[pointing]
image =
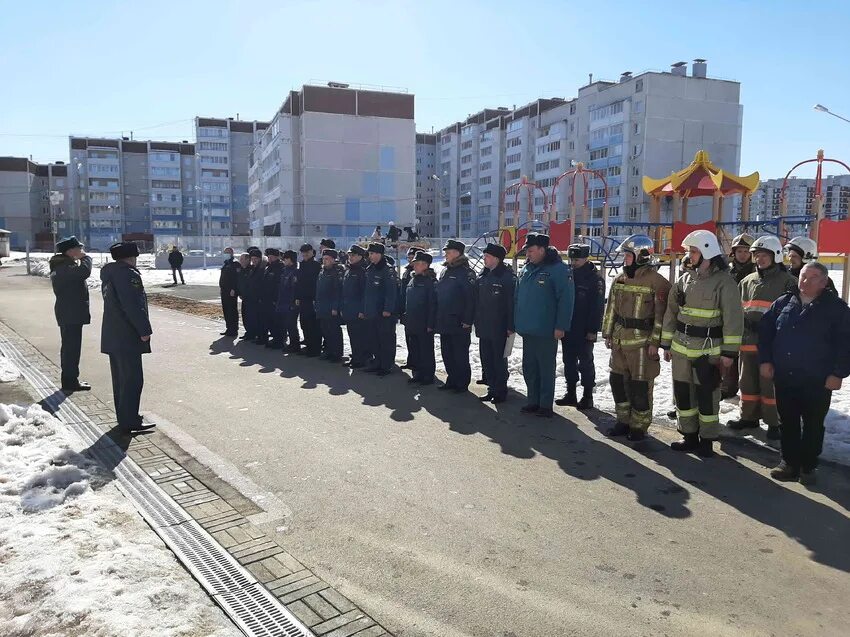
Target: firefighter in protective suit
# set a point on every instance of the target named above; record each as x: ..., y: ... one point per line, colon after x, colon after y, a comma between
x: 701, y: 334
x: 758, y: 292
x: 740, y: 265
x: 632, y: 331
x: 800, y: 251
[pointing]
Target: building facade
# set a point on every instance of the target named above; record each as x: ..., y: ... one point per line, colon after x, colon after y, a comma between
x: 334, y: 161
x: 426, y: 183
x: 34, y: 202
x: 650, y: 124
x: 800, y: 194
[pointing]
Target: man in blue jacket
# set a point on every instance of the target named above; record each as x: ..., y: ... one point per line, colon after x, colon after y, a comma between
x: 455, y: 316
x: 126, y: 332
x: 269, y: 288
x: 286, y: 314
x: 305, y: 296
x: 353, y: 290
x: 494, y: 320
x: 542, y: 315
x: 420, y: 317
x: 804, y: 346
x: 329, y: 305
x: 380, y: 300
x: 577, y: 345
x: 251, y: 285
x: 410, y: 363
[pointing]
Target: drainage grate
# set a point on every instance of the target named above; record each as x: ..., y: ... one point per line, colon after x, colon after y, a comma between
x: 250, y: 605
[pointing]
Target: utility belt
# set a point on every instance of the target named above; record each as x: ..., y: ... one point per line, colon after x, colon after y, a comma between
x: 699, y: 331
x: 635, y: 323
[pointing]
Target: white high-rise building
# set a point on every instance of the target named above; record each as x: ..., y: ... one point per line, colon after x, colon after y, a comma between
x: 426, y: 183
x: 335, y: 162
x: 765, y: 203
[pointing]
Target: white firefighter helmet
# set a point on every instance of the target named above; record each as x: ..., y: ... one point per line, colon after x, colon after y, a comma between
x: 704, y: 241
x: 639, y: 245
x: 741, y: 241
x: 803, y: 246
x: 768, y: 243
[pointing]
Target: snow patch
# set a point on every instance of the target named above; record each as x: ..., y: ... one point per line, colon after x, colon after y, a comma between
x: 8, y: 371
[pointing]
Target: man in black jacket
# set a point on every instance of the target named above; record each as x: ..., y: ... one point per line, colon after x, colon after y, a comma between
x: 353, y: 290
x: 175, y: 260
x: 305, y: 296
x: 269, y: 287
x: 125, y: 333
x: 328, y: 305
x: 69, y: 269
x: 405, y: 280
x: 804, y: 346
x: 249, y: 289
x: 455, y: 315
x: 420, y: 317
x: 494, y: 320
x: 228, y: 285
x: 577, y: 344
x: 380, y: 310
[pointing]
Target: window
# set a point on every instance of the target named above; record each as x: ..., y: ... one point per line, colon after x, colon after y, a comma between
x: 602, y: 153
x: 637, y: 149
x: 545, y: 183
x: 486, y: 136
x: 634, y: 191
x: 613, y: 171
x: 636, y: 128
x: 466, y: 159
x: 486, y: 151
x: 515, y: 125
x: 465, y: 187
x: 446, y: 139
x: 638, y: 86
x: 466, y: 172
x: 162, y: 210
x: 212, y: 146
x: 512, y: 159
x: 162, y: 183
x: 484, y: 181
x: 638, y: 108
x: 214, y: 173
x: 212, y: 159
x: 445, y: 152
x: 161, y: 171
x: 635, y: 171
x: 514, y: 141
x: 598, y: 193
x: 485, y: 194
x: 485, y: 165
x: 613, y: 211
x: 466, y: 145
x: 616, y: 129
x: 572, y: 146
x: 513, y: 174
x: 633, y: 212
x: 213, y: 131
x: 484, y: 210
x: 572, y: 112
x: 598, y: 134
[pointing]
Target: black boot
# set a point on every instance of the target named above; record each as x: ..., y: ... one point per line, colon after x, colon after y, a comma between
x: 636, y: 435
x: 619, y: 429
x: 738, y: 425
x: 785, y: 472
x: 570, y: 399
x: 689, y: 442
x: 586, y: 401
x: 706, y: 448
x: 774, y: 433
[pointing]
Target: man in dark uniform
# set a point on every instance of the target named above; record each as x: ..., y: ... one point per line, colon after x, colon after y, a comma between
x: 228, y: 284
x: 420, y: 318
x: 175, y: 260
x: 329, y: 304
x: 125, y: 333
x: 305, y: 296
x: 494, y: 320
x: 286, y: 314
x: 250, y: 284
x: 326, y: 244
x: 69, y: 269
x: 269, y: 288
x: 380, y: 300
x: 577, y: 345
x: 353, y: 290
x: 455, y: 315
x: 405, y: 280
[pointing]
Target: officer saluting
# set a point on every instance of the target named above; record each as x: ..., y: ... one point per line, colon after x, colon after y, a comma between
x: 69, y: 269
x: 494, y: 320
x: 126, y: 332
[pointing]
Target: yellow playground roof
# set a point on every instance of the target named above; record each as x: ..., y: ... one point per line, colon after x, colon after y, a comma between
x: 701, y: 179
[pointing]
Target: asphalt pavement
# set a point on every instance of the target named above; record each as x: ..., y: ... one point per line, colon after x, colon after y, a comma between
x: 443, y: 516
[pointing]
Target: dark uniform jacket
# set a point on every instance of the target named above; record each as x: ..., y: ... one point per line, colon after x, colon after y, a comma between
x: 494, y: 303
x: 405, y: 281
x: 420, y: 302
x: 353, y: 288
x: 329, y: 292
x: 286, y: 289
x: 305, y: 285
x: 381, y: 293
x: 68, y: 278
x: 270, y: 283
x: 229, y: 278
x: 251, y: 282
x: 806, y: 343
x: 125, y: 310
x: 455, y: 297
x: 589, y: 302
x: 741, y: 270
x: 175, y: 258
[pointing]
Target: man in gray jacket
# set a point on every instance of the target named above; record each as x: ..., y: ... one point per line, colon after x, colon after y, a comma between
x: 69, y: 269
x: 126, y: 332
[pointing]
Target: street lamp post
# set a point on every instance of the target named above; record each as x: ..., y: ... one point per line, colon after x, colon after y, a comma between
x: 823, y: 109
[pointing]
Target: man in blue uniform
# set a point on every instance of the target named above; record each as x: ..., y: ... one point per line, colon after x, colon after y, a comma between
x: 420, y: 316
x: 353, y: 290
x: 125, y: 332
x: 542, y: 315
x: 305, y: 296
x: 577, y: 345
x: 228, y: 284
x: 455, y: 315
x: 70, y: 267
x: 251, y: 284
x: 286, y: 314
x: 269, y: 288
x: 329, y: 305
x: 494, y: 320
x: 380, y: 301
x: 405, y: 280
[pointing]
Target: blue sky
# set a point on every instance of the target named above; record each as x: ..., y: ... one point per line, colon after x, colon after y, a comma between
x: 103, y: 67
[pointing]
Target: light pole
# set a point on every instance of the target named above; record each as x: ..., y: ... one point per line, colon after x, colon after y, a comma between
x: 823, y: 109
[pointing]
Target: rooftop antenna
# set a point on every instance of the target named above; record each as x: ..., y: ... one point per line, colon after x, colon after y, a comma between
x: 590, y: 78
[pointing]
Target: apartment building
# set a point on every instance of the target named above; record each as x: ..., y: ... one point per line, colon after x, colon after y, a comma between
x: 426, y: 183
x: 34, y: 202
x: 800, y: 194
x: 335, y: 161
x: 647, y: 124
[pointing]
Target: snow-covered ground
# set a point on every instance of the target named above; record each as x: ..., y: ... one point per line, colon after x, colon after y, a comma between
x: 76, y: 557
